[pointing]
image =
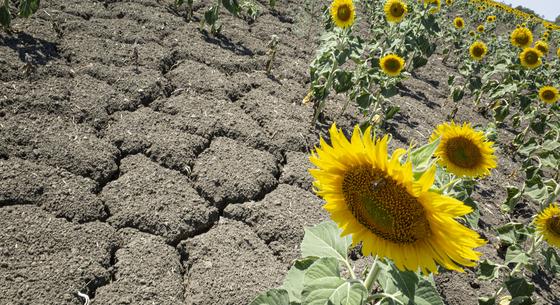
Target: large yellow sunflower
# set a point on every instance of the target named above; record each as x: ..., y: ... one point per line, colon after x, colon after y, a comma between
x: 395, y: 10
x: 391, y: 64
x: 542, y: 46
x: 530, y: 58
x: 521, y: 37
x: 343, y: 13
x: 459, y: 23
x: 548, y: 224
x: 548, y: 94
x: 463, y: 150
x: 377, y: 200
x: 478, y: 50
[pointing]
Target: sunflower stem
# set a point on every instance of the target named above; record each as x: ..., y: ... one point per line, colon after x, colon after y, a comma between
x: 448, y: 185
x: 350, y: 269
x: 372, y: 275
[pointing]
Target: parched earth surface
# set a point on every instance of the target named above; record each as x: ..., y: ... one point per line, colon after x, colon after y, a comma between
x: 144, y: 161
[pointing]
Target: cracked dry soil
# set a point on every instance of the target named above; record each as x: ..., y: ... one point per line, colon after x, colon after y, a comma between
x: 180, y: 177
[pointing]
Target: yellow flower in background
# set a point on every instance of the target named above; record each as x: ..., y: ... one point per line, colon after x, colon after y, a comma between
x: 480, y: 28
x: 449, y: 2
x: 391, y: 64
x: 375, y: 198
x: 459, y: 23
x: 478, y: 50
x: 548, y: 94
x: 395, y: 10
x: 548, y: 224
x: 435, y: 4
x: 491, y: 18
x: 521, y: 37
x: 558, y: 52
x: 542, y: 46
x: 530, y: 58
x: 463, y: 150
x: 472, y: 33
x: 343, y: 13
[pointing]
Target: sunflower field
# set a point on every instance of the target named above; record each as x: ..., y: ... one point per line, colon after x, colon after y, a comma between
x: 278, y: 152
x: 412, y: 211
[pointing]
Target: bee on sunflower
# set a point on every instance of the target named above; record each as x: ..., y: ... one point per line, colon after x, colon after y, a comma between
x: 521, y: 37
x: 530, y: 58
x: 375, y: 198
x: 478, y: 50
x: 391, y: 64
x: 343, y: 13
x: 542, y: 46
x: 463, y: 150
x: 459, y: 23
x: 547, y: 223
x: 548, y: 94
x: 395, y: 10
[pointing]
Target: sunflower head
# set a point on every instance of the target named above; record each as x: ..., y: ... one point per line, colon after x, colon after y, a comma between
x: 542, y: 46
x: 395, y: 10
x: 391, y: 64
x: 548, y: 94
x: 463, y: 150
x: 490, y: 18
x: 434, y: 4
x: 548, y: 224
x: 480, y: 28
x: 478, y: 50
x: 521, y: 37
x: 374, y: 197
x: 449, y: 2
x: 459, y: 23
x: 472, y: 33
x: 530, y: 58
x: 343, y: 13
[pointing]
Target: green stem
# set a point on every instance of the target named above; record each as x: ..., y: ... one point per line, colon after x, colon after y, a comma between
x: 372, y: 275
x: 350, y: 269
x: 448, y: 185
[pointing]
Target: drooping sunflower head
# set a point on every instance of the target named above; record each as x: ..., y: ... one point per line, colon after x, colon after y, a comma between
x: 459, y: 23
x: 343, y: 13
x: 463, y: 150
x: 391, y: 64
x: 530, y: 58
x: 549, y: 94
x: 548, y: 224
x: 521, y: 37
x: 395, y: 10
x: 480, y: 28
x: 375, y: 198
x: 542, y: 46
x: 435, y: 5
x: 478, y: 50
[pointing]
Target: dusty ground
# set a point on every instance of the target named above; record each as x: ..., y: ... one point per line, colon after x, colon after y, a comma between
x: 180, y: 177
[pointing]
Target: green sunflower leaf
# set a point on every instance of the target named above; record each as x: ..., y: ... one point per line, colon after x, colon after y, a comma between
x: 293, y: 283
x: 323, y: 240
x: 519, y: 287
x: 487, y: 270
x: 5, y: 17
x: 552, y: 260
x: 486, y: 301
x: 323, y: 285
x: 421, y: 157
x: 272, y: 297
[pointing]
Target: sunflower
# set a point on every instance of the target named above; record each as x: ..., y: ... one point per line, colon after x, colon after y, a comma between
x: 435, y: 3
x: 521, y: 37
x: 548, y: 94
x: 530, y: 58
x: 472, y: 33
x: 542, y: 46
x: 548, y: 224
x: 395, y: 10
x: 343, y: 13
x: 480, y: 28
x: 377, y: 200
x: 449, y: 2
x: 491, y: 18
x: 463, y: 150
x: 459, y: 23
x: 478, y: 50
x: 391, y: 64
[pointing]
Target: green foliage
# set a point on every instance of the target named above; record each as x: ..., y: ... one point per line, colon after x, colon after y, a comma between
x: 26, y: 9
